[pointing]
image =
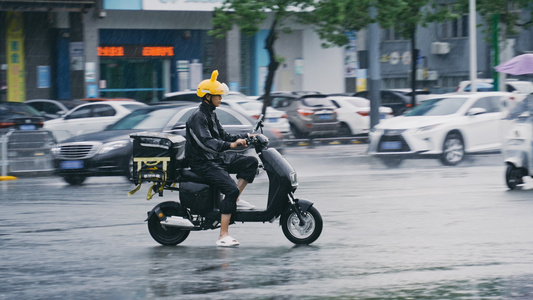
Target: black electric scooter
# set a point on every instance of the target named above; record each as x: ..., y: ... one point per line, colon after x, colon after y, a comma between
x: 171, y: 222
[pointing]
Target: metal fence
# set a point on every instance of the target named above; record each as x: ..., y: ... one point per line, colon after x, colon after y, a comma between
x: 26, y: 151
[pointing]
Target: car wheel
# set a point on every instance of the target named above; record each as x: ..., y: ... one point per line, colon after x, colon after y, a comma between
x: 74, y: 179
x: 453, y: 150
x: 391, y: 162
x: 513, y: 176
x: 344, y: 130
x: 297, y: 133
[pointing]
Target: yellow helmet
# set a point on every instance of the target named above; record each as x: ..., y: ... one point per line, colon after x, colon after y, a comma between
x: 212, y: 86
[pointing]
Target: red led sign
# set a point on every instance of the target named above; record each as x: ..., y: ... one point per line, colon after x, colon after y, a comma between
x: 135, y: 51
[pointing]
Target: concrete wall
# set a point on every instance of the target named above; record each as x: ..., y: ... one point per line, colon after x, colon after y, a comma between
x: 323, y: 68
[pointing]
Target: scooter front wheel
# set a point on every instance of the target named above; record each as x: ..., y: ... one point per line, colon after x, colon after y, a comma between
x: 302, y: 234
x: 167, y: 235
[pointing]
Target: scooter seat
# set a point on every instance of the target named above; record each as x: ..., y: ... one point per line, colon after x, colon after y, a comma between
x: 188, y: 175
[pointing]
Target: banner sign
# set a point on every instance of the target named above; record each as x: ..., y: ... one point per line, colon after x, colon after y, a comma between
x: 16, y: 83
x: 186, y: 5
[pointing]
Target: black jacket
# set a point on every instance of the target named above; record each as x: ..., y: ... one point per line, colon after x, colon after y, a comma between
x: 206, y: 138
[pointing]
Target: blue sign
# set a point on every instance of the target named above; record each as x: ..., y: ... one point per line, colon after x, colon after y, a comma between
x: 92, y: 91
x: 43, y: 77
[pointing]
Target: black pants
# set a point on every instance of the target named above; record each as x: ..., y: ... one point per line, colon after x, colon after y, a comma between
x: 217, y: 174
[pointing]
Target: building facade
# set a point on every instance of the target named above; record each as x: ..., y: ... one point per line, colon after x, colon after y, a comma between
x: 142, y: 49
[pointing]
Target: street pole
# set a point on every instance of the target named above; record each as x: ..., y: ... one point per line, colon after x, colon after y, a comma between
x: 496, y: 51
x: 473, y: 48
x: 374, y: 69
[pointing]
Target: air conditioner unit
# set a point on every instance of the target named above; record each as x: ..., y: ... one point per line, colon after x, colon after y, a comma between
x: 440, y: 48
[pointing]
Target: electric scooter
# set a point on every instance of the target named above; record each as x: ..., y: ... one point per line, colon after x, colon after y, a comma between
x: 171, y: 222
x: 518, y: 146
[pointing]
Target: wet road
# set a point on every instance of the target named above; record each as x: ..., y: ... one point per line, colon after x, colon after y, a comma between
x: 421, y: 231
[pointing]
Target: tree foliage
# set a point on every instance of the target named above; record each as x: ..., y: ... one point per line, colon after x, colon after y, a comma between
x: 248, y: 15
x: 512, y: 14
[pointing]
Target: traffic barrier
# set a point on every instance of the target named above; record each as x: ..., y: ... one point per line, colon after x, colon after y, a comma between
x: 312, y: 142
x: 26, y: 151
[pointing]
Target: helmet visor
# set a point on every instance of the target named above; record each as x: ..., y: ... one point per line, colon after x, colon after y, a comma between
x: 221, y: 90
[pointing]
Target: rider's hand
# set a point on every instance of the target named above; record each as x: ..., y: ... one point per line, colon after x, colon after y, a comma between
x: 238, y: 143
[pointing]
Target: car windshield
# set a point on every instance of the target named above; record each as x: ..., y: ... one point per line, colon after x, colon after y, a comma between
x: 437, y: 107
x: 18, y: 110
x: 145, y: 119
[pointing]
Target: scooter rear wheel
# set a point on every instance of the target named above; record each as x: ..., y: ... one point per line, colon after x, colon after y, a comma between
x: 513, y: 176
x: 308, y: 232
x: 167, y: 235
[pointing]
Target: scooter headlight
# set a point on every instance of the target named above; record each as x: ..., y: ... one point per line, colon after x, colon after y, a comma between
x: 294, y: 179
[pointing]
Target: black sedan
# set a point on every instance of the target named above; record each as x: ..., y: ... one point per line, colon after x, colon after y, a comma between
x: 109, y: 152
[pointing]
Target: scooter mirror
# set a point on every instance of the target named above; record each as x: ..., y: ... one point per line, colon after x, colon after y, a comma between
x: 259, y: 123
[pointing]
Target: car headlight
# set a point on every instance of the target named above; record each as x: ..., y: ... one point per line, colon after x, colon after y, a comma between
x: 55, y: 150
x: 427, y: 128
x: 112, y: 146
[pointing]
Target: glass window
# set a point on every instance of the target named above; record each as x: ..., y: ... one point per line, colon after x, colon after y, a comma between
x: 437, y: 107
x: 226, y: 118
x: 280, y: 102
x: 490, y: 104
x: 103, y: 111
x: 316, y: 102
x: 51, y: 108
x: 82, y: 112
x: 145, y: 119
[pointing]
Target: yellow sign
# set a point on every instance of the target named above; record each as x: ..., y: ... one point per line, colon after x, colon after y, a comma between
x: 16, y: 83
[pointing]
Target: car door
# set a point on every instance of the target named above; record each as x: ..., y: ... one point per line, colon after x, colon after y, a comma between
x: 484, y: 130
x: 75, y: 120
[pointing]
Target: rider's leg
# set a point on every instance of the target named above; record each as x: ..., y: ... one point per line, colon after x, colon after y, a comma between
x: 220, y: 178
x: 246, y: 168
x: 241, y: 184
x: 224, y: 225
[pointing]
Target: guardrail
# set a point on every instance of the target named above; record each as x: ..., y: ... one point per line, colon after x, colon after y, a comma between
x: 26, y: 151
x: 312, y: 142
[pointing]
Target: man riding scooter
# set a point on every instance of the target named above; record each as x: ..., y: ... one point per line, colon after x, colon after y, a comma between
x: 204, y: 151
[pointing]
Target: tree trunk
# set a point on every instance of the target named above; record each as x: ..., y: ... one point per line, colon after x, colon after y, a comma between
x: 272, y: 66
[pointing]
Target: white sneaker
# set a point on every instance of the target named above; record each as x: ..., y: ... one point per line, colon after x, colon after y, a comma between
x: 243, y: 205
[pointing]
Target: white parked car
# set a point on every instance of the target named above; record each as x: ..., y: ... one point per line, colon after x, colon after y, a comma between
x: 274, y: 118
x: 90, y: 117
x: 446, y: 127
x: 486, y: 85
x: 353, y: 114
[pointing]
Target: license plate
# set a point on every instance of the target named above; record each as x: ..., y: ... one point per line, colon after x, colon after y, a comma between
x: 324, y: 117
x: 391, y: 145
x: 27, y: 127
x: 382, y: 116
x: 71, y: 164
x: 272, y: 120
